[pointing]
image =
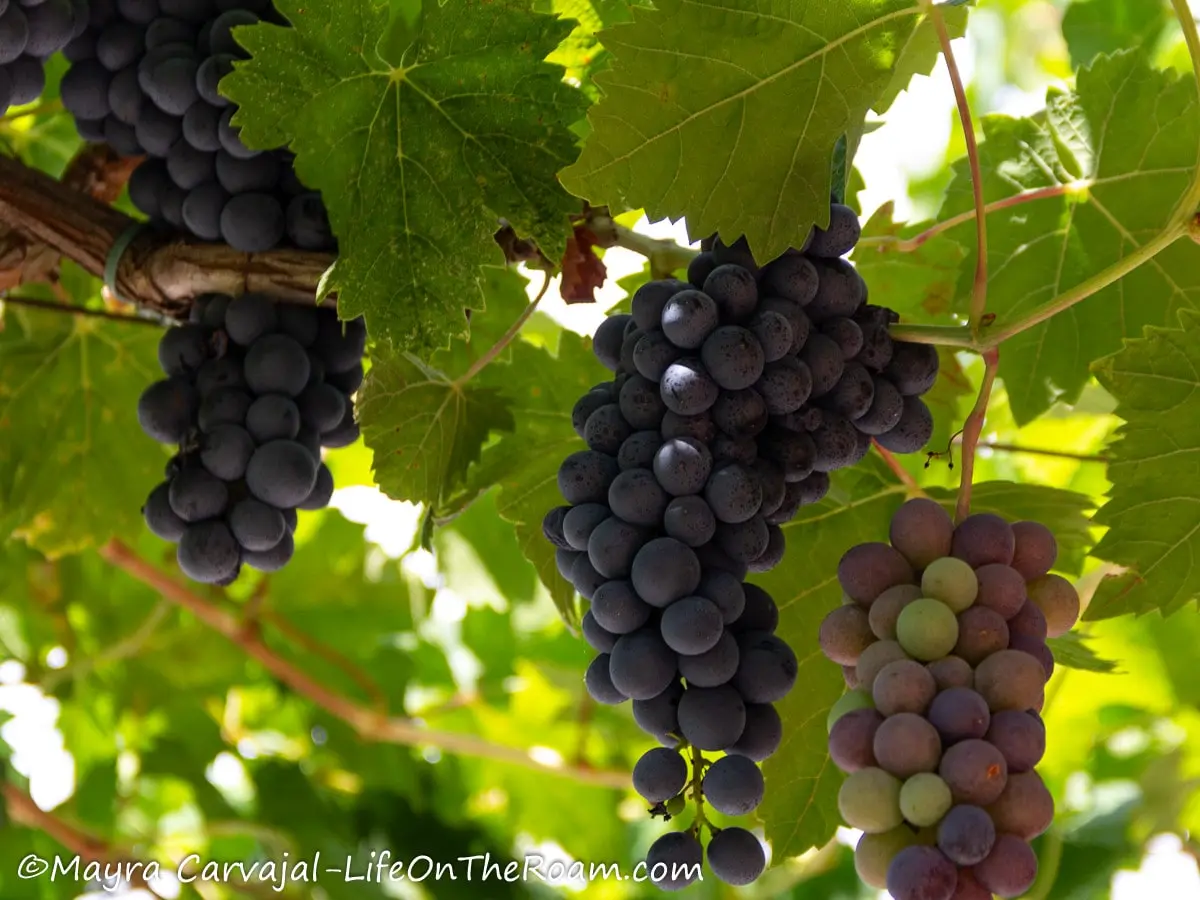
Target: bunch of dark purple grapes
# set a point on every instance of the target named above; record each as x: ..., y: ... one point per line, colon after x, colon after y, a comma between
x: 942, y: 639
x: 144, y: 80
x: 253, y: 391
x: 30, y: 32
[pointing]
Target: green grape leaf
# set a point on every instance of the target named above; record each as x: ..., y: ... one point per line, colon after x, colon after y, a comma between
x: 424, y: 427
x: 920, y: 53
x: 426, y: 423
x: 1073, y: 651
x: 1126, y: 142
x: 69, y: 388
x: 543, y: 389
x: 727, y: 114
x: 1092, y: 27
x: 1153, y: 529
x: 799, y: 810
x: 800, y: 807
x: 914, y: 279
x: 416, y: 162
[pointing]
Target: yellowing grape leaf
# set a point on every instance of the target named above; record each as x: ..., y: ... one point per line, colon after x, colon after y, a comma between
x: 727, y: 113
x: 416, y: 160
x: 1153, y: 511
x: 75, y: 466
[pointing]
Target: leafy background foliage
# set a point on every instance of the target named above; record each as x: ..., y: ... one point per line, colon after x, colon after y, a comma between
x: 428, y: 596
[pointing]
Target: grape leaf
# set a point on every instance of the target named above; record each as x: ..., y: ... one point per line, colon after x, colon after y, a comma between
x: 1092, y: 27
x: 1129, y: 134
x: 922, y: 278
x: 799, y: 810
x: 426, y: 423
x: 736, y: 132
x: 543, y: 389
x: 416, y: 162
x: 920, y: 53
x: 1152, y: 511
x: 800, y: 807
x: 69, y: 387
x: 424, y: 427
x: 1073, y: 651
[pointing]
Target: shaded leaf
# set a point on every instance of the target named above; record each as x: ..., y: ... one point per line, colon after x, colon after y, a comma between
x: 69, y: 389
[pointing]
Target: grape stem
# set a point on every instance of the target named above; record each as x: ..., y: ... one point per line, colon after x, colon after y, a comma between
x: 368, y: 723
x: 979, y: 287
x: 892, y: 243
x: 22, y: 809
x: 698, y: 792
x: 69, y: 310
x: 50, y: 106
x: 507, y: 338
x: 1048, y: 864
x: 1040, y: 451
x: 972, y: 430
x: 665, y: 256
x: 901, y: 473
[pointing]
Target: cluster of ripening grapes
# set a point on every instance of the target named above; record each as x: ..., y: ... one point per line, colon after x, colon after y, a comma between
x: 942, y: 640
x: 734, y: 396
x: 144, y: 79
x: 253, y: 391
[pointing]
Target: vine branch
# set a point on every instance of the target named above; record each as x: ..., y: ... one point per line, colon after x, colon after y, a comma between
x: 973, y: 429
x: 902, y: 474
x: 888, y: 242
x: 979, y: 288
x: 507, y: 338
x: 369, y: 724
x: 90, y: 848
x: 83, y: 311
x: 159, y: 271
x: 665, y: 255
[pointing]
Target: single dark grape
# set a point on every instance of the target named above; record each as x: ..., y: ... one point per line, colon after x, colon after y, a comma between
x: 692, y: 625
x: 791, y: 277
x: 208, y: 553
x: 841, y: 235
x: 690, y: 520
x: 682, y: 466
x: 160, y: 518
x: 642, y: 665
x: 712, y: 718
x: 599, y: 682
x: 612, y: 547
x: 281, y: 473
x: 674, y: 861
x: 912, y: 432
x: 665, y: 570
x: 767, y: 670
x: 689, y: 317
x: 650, y: 299
x: 606, y: 342
x: 618, y: 609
